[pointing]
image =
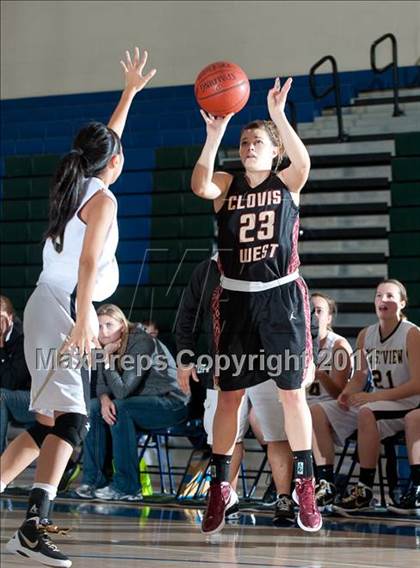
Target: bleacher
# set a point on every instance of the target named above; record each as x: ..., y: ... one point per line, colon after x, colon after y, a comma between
x: 346, y: 245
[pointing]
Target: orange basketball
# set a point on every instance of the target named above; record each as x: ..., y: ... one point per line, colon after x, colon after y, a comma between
x: 222, y: 87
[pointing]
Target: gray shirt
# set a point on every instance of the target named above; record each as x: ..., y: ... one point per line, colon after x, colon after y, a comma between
x: 148, y: 369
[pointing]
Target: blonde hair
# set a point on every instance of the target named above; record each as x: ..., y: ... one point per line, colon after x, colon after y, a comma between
x: 402, y: 289
x: 273, y: 133
x: 116, y: 313
x: 332, y: 306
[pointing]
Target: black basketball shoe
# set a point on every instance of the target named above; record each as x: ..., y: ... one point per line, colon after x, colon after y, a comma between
x: 409, y: 503
x: 284, y: 511
x: 31, y: 540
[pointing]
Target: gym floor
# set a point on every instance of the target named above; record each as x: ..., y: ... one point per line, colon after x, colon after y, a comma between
x: 166, y: 536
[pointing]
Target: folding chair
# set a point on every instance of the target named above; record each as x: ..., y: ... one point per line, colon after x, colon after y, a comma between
x: 158, y: 439
x: 387, y: 453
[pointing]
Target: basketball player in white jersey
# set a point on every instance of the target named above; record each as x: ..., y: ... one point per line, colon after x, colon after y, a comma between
x: 334, y: 366
x: 389, y: 352
x: 334, y: 369
x: 79, y: 267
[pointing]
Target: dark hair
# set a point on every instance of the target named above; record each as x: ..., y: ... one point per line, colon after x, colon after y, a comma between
x: 93, y: 147
x: 273, y: 134
x: 149, y: 322
x: 8, y: 306
x: 332, y: 305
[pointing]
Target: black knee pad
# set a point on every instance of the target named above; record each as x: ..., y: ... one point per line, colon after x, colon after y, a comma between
x: 39, y: 432
x: 71, y: 427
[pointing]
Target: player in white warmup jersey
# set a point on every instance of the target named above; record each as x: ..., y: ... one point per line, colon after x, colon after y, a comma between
x: 333, y: 370
x: 333, y: 365
x: 389, y: 352
x: 79, y: 267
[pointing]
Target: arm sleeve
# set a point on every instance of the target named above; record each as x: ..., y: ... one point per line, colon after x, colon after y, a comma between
x: 123, y: 384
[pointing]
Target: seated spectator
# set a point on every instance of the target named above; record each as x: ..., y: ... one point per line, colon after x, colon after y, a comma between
x: 151, y: 327
x: 389, y: 352
x: 410, y: 502
x: 15, y: 384
x: 334, y: 359
x: 15, y: 379
x: 137, y: 390
x: 264, y: 398
x: 333, y: 370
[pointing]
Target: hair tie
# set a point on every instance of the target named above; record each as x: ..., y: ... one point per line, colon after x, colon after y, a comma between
x: 76, y: 151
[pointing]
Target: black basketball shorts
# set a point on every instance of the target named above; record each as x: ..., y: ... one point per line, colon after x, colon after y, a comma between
x: 261, y: 335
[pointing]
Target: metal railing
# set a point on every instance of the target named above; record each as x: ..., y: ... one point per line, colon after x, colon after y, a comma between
x: 393, y: 64
x: 293, y: 114
x: 334, y: 87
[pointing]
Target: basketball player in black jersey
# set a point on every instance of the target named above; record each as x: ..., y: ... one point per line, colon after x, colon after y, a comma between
x: 261, y: 312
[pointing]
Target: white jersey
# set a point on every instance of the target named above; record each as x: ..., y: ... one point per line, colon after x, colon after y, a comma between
x: 61, y: 269
x: 316, y: 391
x: 387, y: 357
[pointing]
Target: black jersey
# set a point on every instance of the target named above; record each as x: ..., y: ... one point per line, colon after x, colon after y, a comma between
x: 258, y: 231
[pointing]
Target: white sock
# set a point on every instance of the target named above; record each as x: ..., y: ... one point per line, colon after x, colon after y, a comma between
x: 2, y: 486
x: 50, y: 489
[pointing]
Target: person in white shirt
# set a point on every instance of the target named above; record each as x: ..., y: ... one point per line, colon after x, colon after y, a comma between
x: 333, y: 370
x: 388, y: 355
x: 334, y: 366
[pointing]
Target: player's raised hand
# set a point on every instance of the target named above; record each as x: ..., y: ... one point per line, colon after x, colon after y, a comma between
x: 133, y: 70
x: 276, y: 98
x: 215, y: 125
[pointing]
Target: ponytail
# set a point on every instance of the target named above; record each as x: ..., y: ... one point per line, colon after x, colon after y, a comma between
x: 93, y: 147
x: 66, y: 196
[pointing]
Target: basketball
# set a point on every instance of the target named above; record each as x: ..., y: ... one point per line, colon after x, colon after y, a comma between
x: 222, y: 87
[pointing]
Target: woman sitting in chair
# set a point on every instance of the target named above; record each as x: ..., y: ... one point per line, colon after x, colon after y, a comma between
x: 388, y: 356
x: 137, y: 390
